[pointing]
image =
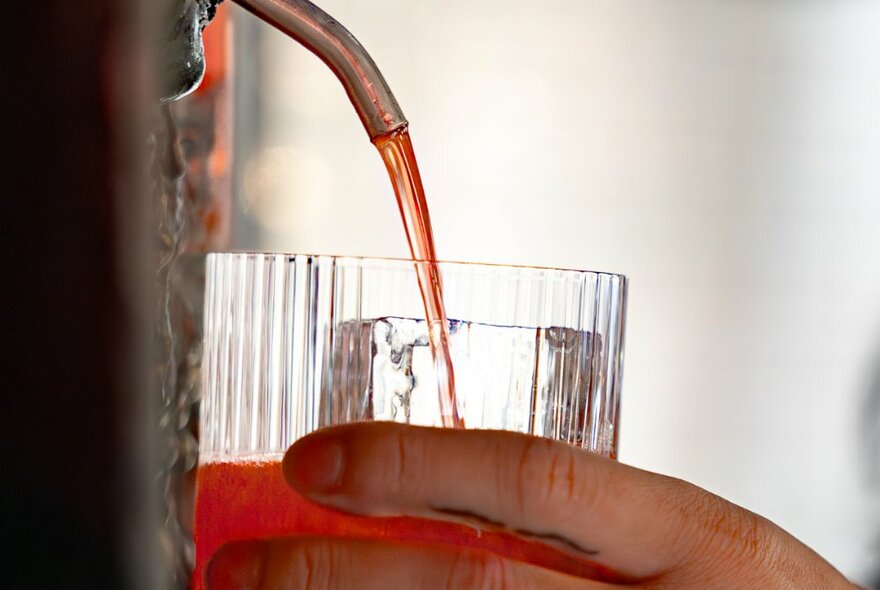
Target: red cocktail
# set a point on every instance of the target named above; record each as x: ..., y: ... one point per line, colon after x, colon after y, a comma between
x: 250, y: 499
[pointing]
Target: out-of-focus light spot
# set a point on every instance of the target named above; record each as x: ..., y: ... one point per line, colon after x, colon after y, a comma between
x: 298, y: 83
x: 286, y: 189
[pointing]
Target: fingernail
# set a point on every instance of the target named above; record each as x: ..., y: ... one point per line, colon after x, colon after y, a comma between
x: 314, y: 464
x: 237, y: 566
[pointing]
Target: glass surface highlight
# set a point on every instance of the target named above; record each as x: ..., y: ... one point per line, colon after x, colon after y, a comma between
x: 297, y: 342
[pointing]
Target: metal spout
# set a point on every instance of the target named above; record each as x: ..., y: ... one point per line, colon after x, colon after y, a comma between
x: 335, y: 46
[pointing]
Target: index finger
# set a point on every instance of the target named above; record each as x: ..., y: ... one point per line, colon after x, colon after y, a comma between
x: 623, y: 517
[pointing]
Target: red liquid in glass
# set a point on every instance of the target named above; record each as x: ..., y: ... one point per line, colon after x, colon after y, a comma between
x: 250, y: 499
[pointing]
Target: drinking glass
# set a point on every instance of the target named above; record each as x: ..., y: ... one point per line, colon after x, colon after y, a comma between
x: 297, y: 342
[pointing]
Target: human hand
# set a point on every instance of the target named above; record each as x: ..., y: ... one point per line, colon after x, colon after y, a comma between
x: 658, y: 532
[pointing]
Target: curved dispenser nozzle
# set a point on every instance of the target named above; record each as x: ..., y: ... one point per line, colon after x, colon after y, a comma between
x: 335, y: 46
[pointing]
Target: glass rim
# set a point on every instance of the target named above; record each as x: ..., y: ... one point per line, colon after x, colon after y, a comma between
x: 458, y: 263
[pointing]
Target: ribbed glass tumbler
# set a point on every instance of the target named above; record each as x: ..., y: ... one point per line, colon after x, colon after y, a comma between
x: 295, y: 342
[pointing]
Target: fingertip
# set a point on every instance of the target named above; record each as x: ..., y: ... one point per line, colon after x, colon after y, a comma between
x: 315, y: 463
x: 237, y: 566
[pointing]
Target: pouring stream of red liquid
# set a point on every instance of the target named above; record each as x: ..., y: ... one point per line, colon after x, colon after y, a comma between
x: 400, y: 161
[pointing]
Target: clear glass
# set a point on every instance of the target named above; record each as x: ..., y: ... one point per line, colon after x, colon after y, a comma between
x: 297, y: 342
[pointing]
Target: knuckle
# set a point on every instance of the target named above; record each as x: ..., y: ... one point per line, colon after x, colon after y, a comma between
x: 746, y: 538
x: 311, y: 565
x: 477, y: 571
x: 395, y: 458
x: 516, y: 478
x: 548, y: 474
x: 724, y: 532
x: 407, y: 468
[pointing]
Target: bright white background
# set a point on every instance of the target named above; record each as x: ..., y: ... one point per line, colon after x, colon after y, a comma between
x: 725, y: 155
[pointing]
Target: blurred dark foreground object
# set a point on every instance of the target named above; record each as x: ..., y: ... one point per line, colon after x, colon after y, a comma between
x: 76, y: 455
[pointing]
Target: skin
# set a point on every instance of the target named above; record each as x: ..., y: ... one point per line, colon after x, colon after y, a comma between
x: 658, y: 531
